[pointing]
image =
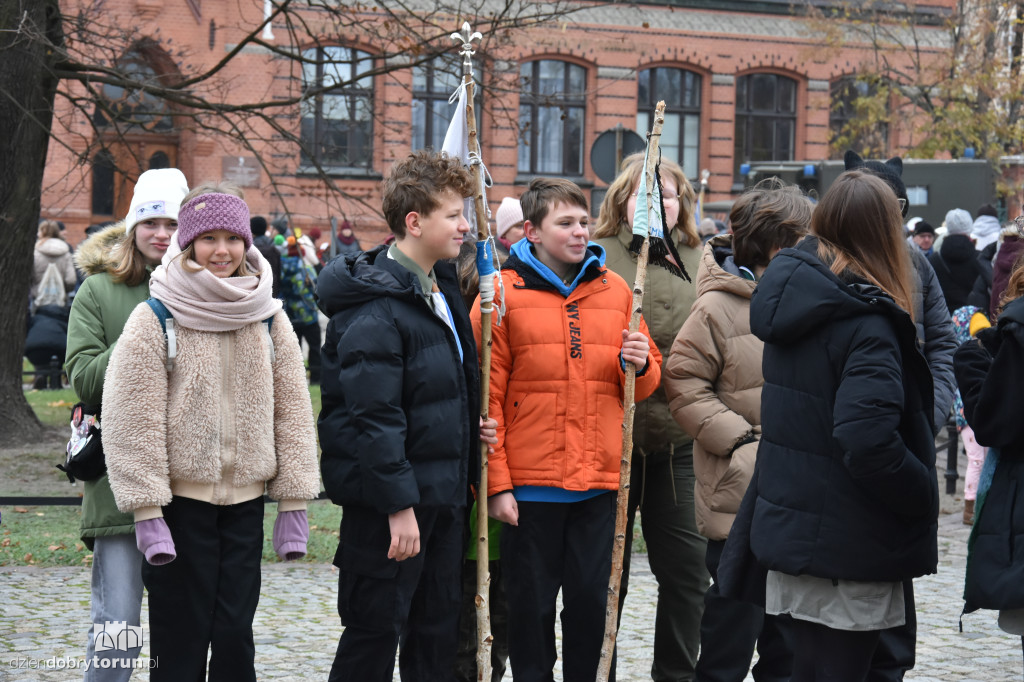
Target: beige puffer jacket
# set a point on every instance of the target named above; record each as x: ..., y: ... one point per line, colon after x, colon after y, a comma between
x: 713, y: 381
x: 223, y: 425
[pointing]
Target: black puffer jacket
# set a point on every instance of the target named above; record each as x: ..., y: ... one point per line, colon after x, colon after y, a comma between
x: 990, y: 374
x: 956, y: 266
x: 399, y: 422
x: 845, y: 482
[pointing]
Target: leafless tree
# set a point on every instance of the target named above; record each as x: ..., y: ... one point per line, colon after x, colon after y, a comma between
x: 65, y: 85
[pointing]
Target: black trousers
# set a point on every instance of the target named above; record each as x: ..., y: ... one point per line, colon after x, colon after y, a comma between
x: 729, y: 630
x: 311, y: 333
x: 384, y: 603
x: 896, y: 649
x: 822, y: 654
x: 565, y: 546
x: 205, y: 600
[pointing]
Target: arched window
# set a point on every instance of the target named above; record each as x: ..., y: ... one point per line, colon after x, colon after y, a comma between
x: 552, y: 106
x: 854, y: 118
x: 765, y: 119
x: 134, y: 107
x: 103, y: 184
x: 681, y: 134
x: 159, y: 160
x: 432, y: 85
x: 337, y: 116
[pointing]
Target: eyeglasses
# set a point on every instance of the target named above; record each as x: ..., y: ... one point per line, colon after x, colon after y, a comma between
x: 1018, y: 223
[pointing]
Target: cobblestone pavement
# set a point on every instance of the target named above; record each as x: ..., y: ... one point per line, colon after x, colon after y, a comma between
x: 44, y: 615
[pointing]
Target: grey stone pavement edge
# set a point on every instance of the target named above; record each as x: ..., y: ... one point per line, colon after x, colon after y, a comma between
x: 44, y: 615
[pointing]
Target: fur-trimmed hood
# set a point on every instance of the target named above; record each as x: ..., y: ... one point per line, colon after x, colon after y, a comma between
x: 95, y: 253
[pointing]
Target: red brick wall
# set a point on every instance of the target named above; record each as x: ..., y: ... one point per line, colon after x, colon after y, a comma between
x: 610, y: 40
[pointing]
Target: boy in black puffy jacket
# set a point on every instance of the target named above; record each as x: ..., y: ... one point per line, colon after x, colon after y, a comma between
x: 399, y: 428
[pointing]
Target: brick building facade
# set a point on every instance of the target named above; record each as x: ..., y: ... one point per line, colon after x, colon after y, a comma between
x: 744, y: 81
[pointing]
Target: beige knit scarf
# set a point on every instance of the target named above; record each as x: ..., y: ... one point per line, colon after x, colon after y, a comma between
x: 203, y: 301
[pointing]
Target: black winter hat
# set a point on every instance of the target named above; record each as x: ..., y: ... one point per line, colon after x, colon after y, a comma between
x: 987, y: 209
x: 891, y: 171
x: 923, y: 227
x: 258, y: 225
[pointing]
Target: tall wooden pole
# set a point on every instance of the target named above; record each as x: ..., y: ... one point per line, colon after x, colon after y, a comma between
x: 629, y: 402
x: 483, y: 574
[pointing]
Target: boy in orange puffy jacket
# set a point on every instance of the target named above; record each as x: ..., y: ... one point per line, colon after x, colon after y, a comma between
x: 557, y: 375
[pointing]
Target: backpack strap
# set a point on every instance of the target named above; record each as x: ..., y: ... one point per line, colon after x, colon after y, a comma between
x: 267, y: 326
x: 167, y: 324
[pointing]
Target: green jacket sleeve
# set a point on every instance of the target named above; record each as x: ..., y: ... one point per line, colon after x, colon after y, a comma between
x: 88, y: 348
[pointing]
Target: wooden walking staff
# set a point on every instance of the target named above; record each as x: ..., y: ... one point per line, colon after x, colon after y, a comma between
x: 653, y: 206
x: 485, y: 268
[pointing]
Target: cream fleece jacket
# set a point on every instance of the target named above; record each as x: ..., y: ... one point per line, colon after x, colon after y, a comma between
x: 221, y: 427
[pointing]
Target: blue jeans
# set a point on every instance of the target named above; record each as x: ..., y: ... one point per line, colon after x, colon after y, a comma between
x: 116, y: 597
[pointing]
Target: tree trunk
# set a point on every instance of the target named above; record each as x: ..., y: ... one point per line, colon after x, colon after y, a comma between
x: 30, y: 37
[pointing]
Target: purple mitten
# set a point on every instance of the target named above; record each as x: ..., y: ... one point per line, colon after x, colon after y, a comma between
x: 291, y: 532
x: 153, y: 538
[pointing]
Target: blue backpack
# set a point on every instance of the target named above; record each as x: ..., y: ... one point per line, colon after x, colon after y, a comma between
x: 167, y: 324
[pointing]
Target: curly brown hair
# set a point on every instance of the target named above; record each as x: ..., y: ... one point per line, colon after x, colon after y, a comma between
x: 613, y: 216
x: 417, y: 182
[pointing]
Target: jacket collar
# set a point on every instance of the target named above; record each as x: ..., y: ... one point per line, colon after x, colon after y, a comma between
x: 536, y: 275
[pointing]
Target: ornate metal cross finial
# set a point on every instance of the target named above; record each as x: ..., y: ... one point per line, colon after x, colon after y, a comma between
x: 466, y: 37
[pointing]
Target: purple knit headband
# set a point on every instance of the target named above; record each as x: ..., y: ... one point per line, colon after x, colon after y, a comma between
x: 208, y: 212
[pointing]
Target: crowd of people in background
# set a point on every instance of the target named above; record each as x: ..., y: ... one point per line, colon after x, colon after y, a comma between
x: 793, y: 368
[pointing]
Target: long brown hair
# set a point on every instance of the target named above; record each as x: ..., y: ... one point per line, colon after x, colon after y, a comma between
x: 130, y: 266
x: 613, y: 208
x: 860, y: 229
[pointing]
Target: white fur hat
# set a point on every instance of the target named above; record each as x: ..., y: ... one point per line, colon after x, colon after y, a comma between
x: 509, y: 213
x: 158, y: 194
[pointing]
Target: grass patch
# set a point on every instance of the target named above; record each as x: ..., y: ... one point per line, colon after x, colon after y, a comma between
x: 42, y: 536
x: 48, y: 536
x: 53, y: 408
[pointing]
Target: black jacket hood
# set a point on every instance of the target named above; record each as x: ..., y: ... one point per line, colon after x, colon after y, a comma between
x: 799, y: 293
x: 356, y: 278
